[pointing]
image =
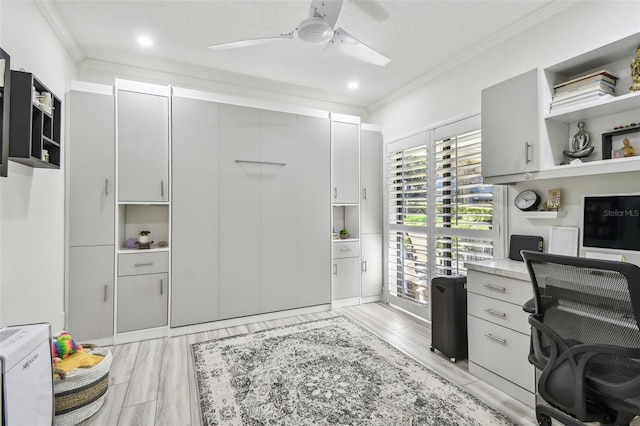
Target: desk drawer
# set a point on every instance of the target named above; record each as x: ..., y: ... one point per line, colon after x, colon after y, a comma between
x: 142, y: 263
x: 502, y: 351
x: 499, y: 287
x: 346, y: 249
x: 496, y: 311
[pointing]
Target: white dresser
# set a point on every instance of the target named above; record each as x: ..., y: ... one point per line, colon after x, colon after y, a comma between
x: 498, y: 327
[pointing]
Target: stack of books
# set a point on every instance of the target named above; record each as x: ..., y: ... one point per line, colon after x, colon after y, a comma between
x: 588, y: 88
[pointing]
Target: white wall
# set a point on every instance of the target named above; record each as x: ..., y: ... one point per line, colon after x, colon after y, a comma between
x: 578, y: 29
x: 32, y: 200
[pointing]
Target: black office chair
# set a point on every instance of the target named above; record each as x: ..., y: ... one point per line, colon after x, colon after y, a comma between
x: 585, y: 338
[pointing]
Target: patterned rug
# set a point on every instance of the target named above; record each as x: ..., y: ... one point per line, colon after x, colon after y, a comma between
x: 325, y: 372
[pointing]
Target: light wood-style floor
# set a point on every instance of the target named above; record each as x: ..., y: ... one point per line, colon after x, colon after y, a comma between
x: 153, y: 383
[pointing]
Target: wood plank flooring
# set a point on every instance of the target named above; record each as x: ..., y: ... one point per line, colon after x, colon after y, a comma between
x: 153, y: 383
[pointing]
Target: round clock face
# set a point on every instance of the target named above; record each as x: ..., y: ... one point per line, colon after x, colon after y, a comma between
x: 527, y: 200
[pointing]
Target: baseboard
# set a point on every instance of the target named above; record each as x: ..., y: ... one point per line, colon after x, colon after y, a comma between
x: 343, y: 303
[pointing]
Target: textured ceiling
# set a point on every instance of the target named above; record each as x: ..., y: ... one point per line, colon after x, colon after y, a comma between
x: 418, y: 36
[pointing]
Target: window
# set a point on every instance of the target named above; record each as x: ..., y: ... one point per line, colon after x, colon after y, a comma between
x: 440, y: 213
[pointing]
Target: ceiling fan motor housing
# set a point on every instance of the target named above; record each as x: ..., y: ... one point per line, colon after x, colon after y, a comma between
x: 315, y: 31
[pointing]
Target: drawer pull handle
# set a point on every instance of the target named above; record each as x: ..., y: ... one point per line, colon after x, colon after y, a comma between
x: 345, y: 249
x: 144, y: 264
x: 496, y: 313
x: 496, y: 288
x: 497, y: 339
x: 106, y: 294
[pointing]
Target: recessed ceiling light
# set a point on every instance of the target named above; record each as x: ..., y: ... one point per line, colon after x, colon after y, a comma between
x: 353, y: 85
x: 145, y: 41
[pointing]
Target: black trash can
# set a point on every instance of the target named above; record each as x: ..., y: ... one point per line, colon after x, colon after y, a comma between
x: 449, y: 316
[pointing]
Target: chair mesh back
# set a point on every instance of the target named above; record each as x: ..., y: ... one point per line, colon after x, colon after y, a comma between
x: 589, y: 305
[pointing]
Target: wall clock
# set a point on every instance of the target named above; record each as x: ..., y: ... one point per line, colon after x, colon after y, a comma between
x: 527, y: 200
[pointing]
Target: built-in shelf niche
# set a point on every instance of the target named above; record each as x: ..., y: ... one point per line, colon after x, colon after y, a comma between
x: 347, y: 217
x: 137, y: 217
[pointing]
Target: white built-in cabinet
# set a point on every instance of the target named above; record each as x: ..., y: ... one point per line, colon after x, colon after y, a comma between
x: 357, y: 163
x: 90, y: 210
x: 510, y: 120
x: 143, y: 142
x: 519, y: 123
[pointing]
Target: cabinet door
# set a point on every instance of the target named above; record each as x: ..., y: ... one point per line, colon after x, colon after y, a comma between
x: 346, y: 278
x: 195, y: 214
x: 142, y: 302
x: 346, y: 160
x: 313, y: 219
x: 90, y: 313
x: 143, y: 147
x: 240, y: 253
x: 280, y: 187
x: 91, y: 169
x: 371, y: 182
x: 371, y: 265
x: 510, y: 126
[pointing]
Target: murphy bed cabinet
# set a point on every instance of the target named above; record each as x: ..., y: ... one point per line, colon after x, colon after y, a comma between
x: 5, y: 116
x: 90, y: 210
x: 557, y: 126
x: 35, y: 128
x: 195, y: 265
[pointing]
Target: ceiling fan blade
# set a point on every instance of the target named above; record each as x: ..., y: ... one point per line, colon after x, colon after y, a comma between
x: 250, y: 42
x: 327, y: 10
x: 344, y: 44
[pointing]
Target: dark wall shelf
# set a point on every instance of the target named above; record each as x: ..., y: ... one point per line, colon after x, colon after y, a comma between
x: 5, y: 96
x: 35, y: 126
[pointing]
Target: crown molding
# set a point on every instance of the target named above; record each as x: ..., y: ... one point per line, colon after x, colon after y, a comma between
x: 53, y: 18
x: 509, y: 32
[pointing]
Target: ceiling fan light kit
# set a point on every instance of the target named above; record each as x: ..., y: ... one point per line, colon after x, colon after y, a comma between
x: 315, y: 31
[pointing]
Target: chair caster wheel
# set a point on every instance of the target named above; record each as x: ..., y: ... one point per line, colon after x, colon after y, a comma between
x: 432, y: 349
x: 544, y: 420
x: 453, y: 360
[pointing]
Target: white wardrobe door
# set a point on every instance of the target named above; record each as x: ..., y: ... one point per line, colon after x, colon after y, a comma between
x: 281, y: 144
x: 346, y: 160
x: 371, y: 181
x: 312, y: 228
x: 372, y: 265
x: 239, y: 211
x: 195, y: 212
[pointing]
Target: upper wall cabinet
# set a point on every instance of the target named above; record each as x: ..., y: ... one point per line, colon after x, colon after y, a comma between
x: 503, y: 148
x: 35, y: 122
x: 346, y: 159
x: 5, y: 95
x: 143, y: 142
x: 510, y: 126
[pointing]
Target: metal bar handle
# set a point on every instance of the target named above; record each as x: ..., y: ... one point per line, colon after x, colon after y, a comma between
x: 496, y: 313
x: 106, y: 292
x: 497, y: 339
x: 162, y: 188
x: 364, y: 193
x: 161, y: 287
x: 144, y: 264
x: 106, y: 187
x: 527, y: 160
x: 364, y: 266
x: 261, y: 162
x: 343, y: 249
x: 335, y: 269
x: 495, y: 288
x: 335, y: 192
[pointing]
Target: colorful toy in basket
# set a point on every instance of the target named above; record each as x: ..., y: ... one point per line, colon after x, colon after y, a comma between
x: 62, y: 347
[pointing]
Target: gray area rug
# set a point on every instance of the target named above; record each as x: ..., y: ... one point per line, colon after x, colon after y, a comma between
x: 325, y: 372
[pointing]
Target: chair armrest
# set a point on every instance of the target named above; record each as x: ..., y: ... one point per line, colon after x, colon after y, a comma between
x: 529, y: 306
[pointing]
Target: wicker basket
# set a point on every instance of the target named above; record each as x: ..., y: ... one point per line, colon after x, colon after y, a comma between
x: 82, y: 391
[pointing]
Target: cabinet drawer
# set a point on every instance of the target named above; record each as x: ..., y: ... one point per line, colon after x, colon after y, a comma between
x: 346, y: 249
x: 508, y: 289
x: 502, y: 313
x: 142, y: 263
x: 502, y: 351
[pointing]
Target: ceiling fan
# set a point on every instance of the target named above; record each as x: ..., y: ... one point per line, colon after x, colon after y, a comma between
x: 318, y: 28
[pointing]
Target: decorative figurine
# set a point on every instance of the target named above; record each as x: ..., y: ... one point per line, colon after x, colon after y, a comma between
x: 579, y: 144
x: 635, y: 72
x: 627, y: 149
